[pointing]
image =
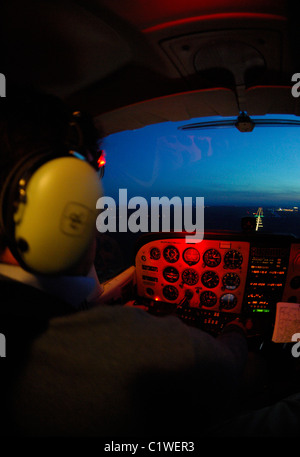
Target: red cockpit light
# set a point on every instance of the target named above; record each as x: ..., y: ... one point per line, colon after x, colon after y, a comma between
x: 101, y: 163
x: 101, y: 160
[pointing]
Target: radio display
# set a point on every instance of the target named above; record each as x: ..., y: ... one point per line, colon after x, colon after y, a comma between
x: 266, y: 278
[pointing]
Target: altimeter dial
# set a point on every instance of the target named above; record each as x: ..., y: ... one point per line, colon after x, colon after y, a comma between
x: 212, y: 258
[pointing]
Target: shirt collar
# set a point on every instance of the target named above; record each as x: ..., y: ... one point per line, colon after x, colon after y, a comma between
x: 72, y: 289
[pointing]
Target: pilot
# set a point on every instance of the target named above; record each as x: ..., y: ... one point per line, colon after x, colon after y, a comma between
x: 73, y: 368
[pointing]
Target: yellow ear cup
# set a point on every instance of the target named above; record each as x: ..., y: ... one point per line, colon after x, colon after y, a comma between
x: 55, y: 223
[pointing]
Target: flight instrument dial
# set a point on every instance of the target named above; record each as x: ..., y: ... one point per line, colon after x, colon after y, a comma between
x: 191, y: 256
x: 171, y: 274
x: 231, y: 281
x: 212, y: 258
x: 233, y: 259
x: 170, y: 293
x: 208, y: 299
x: 228, y: 301
x: 155, y: 254
x: 210, y: 279
x: 190, y: 276
x: 171, y: 254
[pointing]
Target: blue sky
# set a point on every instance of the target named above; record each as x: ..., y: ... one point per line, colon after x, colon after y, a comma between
x: 223, y: 165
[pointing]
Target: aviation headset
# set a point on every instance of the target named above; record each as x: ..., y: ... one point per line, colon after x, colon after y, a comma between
x: 48, y: 205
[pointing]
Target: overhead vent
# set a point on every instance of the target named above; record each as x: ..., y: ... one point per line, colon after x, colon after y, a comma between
x: 236, y: 59
x: 196, y: 52
x: 239, y: 60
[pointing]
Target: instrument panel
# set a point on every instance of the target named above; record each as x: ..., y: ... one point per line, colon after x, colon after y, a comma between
x: 211, y: 274
x: 219, y: 278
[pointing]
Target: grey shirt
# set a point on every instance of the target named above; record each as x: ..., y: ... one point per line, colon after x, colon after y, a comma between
x: 116, y: 370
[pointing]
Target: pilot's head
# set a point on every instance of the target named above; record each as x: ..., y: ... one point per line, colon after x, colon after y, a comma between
x: 49, y: 184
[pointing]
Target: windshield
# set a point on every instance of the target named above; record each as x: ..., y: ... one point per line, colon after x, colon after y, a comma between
x: 239, y: 174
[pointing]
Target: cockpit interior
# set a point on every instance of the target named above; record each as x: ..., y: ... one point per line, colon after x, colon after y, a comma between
x: 192, y: 99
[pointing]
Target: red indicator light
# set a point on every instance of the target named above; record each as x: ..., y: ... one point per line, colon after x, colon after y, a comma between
x: 101, y: 161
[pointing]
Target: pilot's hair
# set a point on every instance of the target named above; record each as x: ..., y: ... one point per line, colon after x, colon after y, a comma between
x: 30, y: 120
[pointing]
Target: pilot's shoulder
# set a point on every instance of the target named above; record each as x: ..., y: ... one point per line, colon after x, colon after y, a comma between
x: 127, y: 328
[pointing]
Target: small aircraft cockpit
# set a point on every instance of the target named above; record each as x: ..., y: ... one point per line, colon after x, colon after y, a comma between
x: 236, y: 189
x: 197, y: 108
x: 233, y: 254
